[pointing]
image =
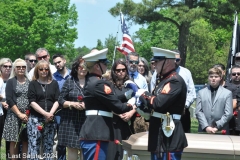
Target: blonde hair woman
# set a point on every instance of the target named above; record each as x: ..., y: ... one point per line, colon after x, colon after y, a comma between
x: 16, y: 96
x: 43, y: 94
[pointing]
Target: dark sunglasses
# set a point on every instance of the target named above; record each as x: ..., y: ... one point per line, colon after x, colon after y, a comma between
x: 177, y: 59
x: 119, y: 70
x: 43, y: 57
x: 45, y: 69
x: 21, y: 67
x: 133, y: 62
x: 6, y: 66
x: 237, y: 58
x: 234, y: 74
x: 32, y: 60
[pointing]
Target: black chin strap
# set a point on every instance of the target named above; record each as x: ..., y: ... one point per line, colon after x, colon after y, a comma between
x: 162, y: 68
x: 100, y: 68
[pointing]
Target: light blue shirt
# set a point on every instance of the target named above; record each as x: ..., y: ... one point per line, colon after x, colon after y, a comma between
x: 60, y: 79
x: 139, y: 80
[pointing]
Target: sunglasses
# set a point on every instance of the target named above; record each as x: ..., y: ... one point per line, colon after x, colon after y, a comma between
x: 6, y: 66
x: 45, y: 69
x: 32, y: 60
x: 234, y: 74
x: 119, y: 70
x: 21, y: 67
x: 177, y: 59
x: 43, y: 57
x: 133, y: 62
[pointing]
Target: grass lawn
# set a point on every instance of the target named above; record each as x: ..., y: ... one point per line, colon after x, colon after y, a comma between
x: 194, y: 128
x: 3, y: 151
x: 194, y: 125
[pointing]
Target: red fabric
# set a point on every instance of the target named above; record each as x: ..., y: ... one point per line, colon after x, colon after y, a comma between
x: 138, y: 115
x: 169, y: 156
x: 97, y: 150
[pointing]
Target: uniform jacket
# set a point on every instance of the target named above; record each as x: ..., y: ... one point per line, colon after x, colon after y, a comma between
x: 170, y: 97
x: 100, y: 96
x: 216, y: 114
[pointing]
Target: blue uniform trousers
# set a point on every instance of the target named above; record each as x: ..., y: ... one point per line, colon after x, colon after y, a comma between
x: 94, y: 150
x: 173, y: 156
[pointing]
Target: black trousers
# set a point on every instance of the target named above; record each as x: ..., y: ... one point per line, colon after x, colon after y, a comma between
x: 186, y: 121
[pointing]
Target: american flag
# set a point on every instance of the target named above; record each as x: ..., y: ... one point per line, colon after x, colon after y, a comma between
x: 127, y: 44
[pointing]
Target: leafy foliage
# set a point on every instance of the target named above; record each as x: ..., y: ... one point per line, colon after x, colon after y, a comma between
x: 30, y: 24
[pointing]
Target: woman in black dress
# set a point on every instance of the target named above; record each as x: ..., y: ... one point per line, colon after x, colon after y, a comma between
x: 73, y: 112
x: 43, y: 93
x: 122, y: 123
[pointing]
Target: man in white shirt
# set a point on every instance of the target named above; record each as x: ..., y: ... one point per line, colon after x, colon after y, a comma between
x: 42, y: 54
x: 191, y: 93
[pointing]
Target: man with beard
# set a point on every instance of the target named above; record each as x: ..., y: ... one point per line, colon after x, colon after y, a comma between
x: 191, y: 93
x: 132, y: 63
x: 60, y: 76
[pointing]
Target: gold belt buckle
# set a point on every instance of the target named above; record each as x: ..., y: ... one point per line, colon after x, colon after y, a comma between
x: 168, y: 128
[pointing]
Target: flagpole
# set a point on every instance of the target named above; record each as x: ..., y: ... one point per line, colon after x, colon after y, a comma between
x: 115, y: 46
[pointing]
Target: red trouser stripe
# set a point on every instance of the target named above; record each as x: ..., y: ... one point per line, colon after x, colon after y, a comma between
x: 169, y: 156
x: 97, y: 150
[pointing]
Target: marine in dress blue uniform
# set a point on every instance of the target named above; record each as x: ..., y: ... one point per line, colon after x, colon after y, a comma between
x: 168, y: 96
x: 100, y: 102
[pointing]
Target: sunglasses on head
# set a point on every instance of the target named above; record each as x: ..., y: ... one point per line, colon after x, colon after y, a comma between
x: 133, y: 62
x: 21, y: 67
x: 6, y: 66
x: 43, y: 57
x: 237, y: 73
x: 32, y: 60
x: 45, y: 69
x: 119, y: 70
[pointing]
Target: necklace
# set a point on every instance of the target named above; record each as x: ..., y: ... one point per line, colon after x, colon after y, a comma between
x: 42, y: 82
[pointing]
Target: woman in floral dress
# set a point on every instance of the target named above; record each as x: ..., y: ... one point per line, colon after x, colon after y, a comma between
x: 16, y: 96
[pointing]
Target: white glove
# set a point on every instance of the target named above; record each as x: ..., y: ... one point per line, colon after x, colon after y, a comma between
x: 128, y: 94
x: 139, y: 92
x: 132, y: 101
x: 143, y: 114
x: 138, y: 102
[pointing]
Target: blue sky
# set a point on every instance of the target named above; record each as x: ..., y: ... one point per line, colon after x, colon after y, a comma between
x: 95, y: 22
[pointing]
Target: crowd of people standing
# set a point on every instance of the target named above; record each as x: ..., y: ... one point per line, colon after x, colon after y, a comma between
x: 60, y: 107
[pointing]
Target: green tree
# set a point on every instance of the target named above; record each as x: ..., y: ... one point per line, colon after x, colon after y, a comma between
x: 99, y: 44
x: 29, y: 24
x: 111, y: 43
x: 183, y: 13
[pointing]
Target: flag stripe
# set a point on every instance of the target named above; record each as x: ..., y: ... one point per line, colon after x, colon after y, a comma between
x: 127, y: 44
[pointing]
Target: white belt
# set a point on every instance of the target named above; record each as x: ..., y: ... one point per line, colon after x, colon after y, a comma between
x: 160, y: 115
x: 98, y: 112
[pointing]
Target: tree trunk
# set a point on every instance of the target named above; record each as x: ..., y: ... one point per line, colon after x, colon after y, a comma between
x: 182, y: 41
